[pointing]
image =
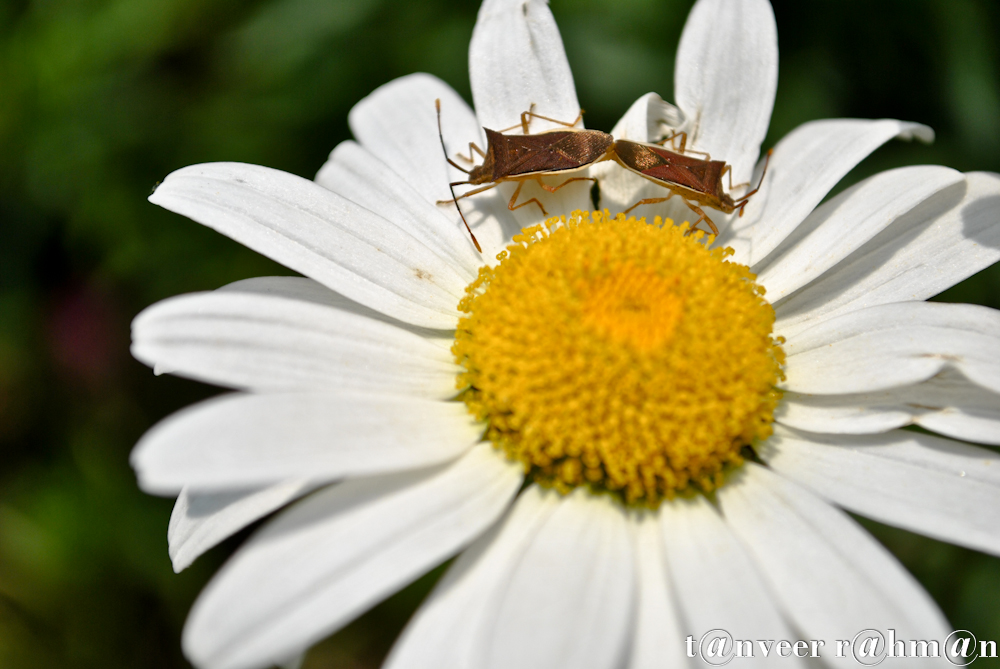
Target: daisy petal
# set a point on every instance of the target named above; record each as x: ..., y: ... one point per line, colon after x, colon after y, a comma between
x: 358, y: 175
x: 320, y: 234
x: 725, y: 78
x: 910, y: 260
x: 926, y: 484
x: 266, y: 342
x: 307, y: 290
x: 245, y: 440
x: 302, y: 289
x: 717, y: 584
x: 806, y: 164
x: 575, y: 196
x: 894, y: 345
x: 947, y: 403
x: 443, y: 632
x: 516, y: 60
x: 647, y: 120
x: 657, y: 641
x: 201, y: 520
x: 979, y: 421
x: 517, y: 64
x: 839, y: 227
x: 827, y: 572
x: 397, y: 122
x: 335, y: 554
x: 567, y: 601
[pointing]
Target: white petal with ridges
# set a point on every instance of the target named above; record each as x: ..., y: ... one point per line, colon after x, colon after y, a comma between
x: 244, y: 440
x: 356, y: 174
x: 444, y: 632
x: 517, y: 64
x: 843, y: 224
x: 657, y: 641
x: 201, y: 520
x: 717, y: 584
x: 926, y: 484
x: 301, y: 289
x: 830, y: 576
x: 335, y: 554
x: 910, y: 260
x: 516, y: 60
x: 725, y: 77
x: 575, y: 196
x: 567, y: 601
x: 316, y: 232
x: 807, y: 163
x: 397, y: 122
x: 306, y: 290
x: 648, y: 119
x: 894, y: 345
x: 947, y: 403
x: 269, y: 342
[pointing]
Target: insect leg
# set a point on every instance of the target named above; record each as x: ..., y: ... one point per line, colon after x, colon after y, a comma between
x: 437, y: 105
x: 553, y: 189
x: 523, y: 125
x: 683, y: 147
x: 728, y: 169
x: 678, y: 133
x: 702, y: 216
x: 742, y: 202
x: 451, y: 186
x: 465, y: 195
x: 472, y: 147
x: 525, y: 119
x: 517, y: 192
x: 528, y: 115
x: 648, y: 200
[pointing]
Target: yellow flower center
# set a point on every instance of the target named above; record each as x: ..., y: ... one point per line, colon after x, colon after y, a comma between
x: 620, y: 355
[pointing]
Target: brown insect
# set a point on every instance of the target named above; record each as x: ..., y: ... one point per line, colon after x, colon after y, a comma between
x: 695, y: 180
x: 527, y: 157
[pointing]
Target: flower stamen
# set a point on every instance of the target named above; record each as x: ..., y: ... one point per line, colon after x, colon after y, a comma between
x: 627, y: 357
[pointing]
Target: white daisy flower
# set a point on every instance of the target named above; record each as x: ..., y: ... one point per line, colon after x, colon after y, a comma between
x: 618, y: 471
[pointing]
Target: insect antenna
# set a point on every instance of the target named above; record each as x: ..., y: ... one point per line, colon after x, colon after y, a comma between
x: 743, y: 200
x: 437, y: 105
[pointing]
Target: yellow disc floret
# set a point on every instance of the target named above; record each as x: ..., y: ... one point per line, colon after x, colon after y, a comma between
x: 621, y: 355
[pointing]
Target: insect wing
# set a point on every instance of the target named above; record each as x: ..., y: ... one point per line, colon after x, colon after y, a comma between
x: 703, y: 176
x: 547, y: 152
x: 583, y: 146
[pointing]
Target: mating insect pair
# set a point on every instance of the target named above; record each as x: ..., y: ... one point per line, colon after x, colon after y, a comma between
x: 527, y: 157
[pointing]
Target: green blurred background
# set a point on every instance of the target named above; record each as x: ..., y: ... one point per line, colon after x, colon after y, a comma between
x: 100, y: 99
